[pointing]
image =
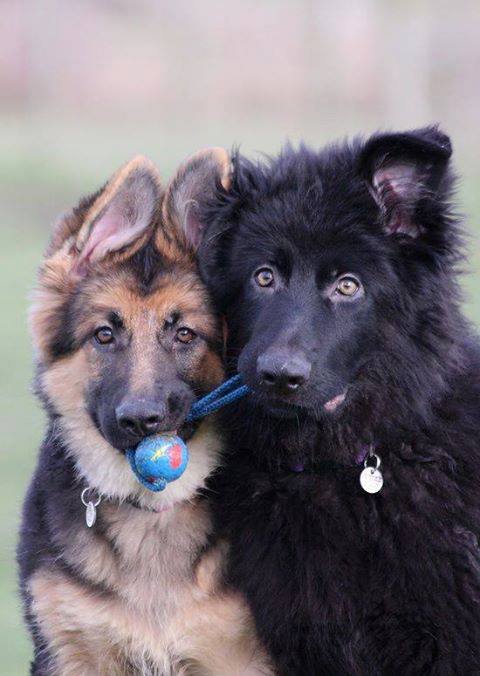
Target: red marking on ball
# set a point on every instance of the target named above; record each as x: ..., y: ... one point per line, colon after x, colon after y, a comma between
x: 175, y: 456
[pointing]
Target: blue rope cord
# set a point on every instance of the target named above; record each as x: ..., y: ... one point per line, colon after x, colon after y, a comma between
x: 225, y: 394
x: 219, y: 391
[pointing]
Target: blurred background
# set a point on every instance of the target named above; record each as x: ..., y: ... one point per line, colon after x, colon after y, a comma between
x: 86, y: 84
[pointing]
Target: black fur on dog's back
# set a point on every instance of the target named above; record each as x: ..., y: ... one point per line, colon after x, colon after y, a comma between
x: 342, y: 582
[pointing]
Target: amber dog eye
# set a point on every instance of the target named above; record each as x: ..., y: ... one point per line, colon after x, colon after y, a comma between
x: 264, y: 277
x: 104, y: 335
x: 348, y: 286
x: 185, y: 335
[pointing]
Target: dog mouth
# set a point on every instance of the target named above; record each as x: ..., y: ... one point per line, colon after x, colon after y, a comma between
x: 122, y: 443
x: 185, y: 430
x: 280, y: 408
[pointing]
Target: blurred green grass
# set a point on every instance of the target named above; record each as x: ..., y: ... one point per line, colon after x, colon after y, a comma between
x: 35, y: 186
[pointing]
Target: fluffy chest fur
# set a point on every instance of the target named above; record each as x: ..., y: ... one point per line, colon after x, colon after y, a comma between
x: 134, y: 593
x: 364, y: 583
x: 146, y: 559
x: 139, y: 593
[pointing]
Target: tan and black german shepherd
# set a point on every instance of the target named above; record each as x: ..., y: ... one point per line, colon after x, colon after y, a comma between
x: 125, y: 339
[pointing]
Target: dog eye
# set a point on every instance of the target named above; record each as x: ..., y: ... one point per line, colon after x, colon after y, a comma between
x: 185, y: 335
x: 104, y: 335
x: 347, y: 286
x: 264, y: 277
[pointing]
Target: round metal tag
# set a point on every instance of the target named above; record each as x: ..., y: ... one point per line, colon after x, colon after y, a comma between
x: 371, y: 480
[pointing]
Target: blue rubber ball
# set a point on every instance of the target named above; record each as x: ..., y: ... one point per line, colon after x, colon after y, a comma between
x: 160, y: 460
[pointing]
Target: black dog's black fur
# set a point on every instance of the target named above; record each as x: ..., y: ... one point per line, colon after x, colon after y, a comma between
x: 340, y: 581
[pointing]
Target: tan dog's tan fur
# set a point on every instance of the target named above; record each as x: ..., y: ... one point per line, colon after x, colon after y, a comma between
x: 140, y: 593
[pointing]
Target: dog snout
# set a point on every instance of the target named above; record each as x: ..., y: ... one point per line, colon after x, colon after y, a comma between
x: 283, y: 372
x: 141, y: 417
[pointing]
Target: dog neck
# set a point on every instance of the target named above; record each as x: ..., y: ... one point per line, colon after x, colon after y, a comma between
x: 316, y: 444
x: 104, y: 469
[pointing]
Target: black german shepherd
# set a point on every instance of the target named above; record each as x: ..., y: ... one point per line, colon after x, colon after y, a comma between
x: 125, y: 339
x: 336, y: 271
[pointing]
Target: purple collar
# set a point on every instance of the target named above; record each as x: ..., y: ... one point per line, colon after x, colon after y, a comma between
x: 359, y: 460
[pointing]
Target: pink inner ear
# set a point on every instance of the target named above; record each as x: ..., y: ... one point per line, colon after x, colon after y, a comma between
x: 396, y: 190
x: 401, y: 180
x: 193, y: 228
x: 126, y: 217
x: 113, y: 231
x: 105, y: 230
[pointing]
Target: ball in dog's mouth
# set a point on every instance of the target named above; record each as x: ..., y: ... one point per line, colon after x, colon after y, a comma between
x: 160, y: 459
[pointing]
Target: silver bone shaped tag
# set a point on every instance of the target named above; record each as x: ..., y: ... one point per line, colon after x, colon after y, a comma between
x: 91, y: 506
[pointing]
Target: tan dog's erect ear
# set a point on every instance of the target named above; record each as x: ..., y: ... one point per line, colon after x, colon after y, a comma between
x: 195, y: 184
x: 122, y: 214
x: 116, y: 221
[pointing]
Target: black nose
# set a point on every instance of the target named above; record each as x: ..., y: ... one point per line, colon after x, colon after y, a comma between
x: 140, y: 417
x: 283, y: 372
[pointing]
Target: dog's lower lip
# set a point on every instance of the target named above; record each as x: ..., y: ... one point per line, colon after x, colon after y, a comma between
x: 125, y: 447
x: 282, y: 408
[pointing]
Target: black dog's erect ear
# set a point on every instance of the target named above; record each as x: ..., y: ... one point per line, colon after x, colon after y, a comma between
x: 404, y: 171
x: 196, y: 183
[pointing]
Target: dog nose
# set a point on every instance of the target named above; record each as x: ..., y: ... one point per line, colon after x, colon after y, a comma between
x: 282, y: 372
x: 140, y: 418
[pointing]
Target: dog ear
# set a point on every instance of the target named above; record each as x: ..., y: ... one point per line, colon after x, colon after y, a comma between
x: 121, y: 215
x: 404, y: 172
x: 197, y: 182
x: 114, y: 221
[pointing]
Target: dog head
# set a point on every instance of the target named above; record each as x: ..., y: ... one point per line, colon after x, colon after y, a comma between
x: 332, y: 267
x: 124, y: 335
